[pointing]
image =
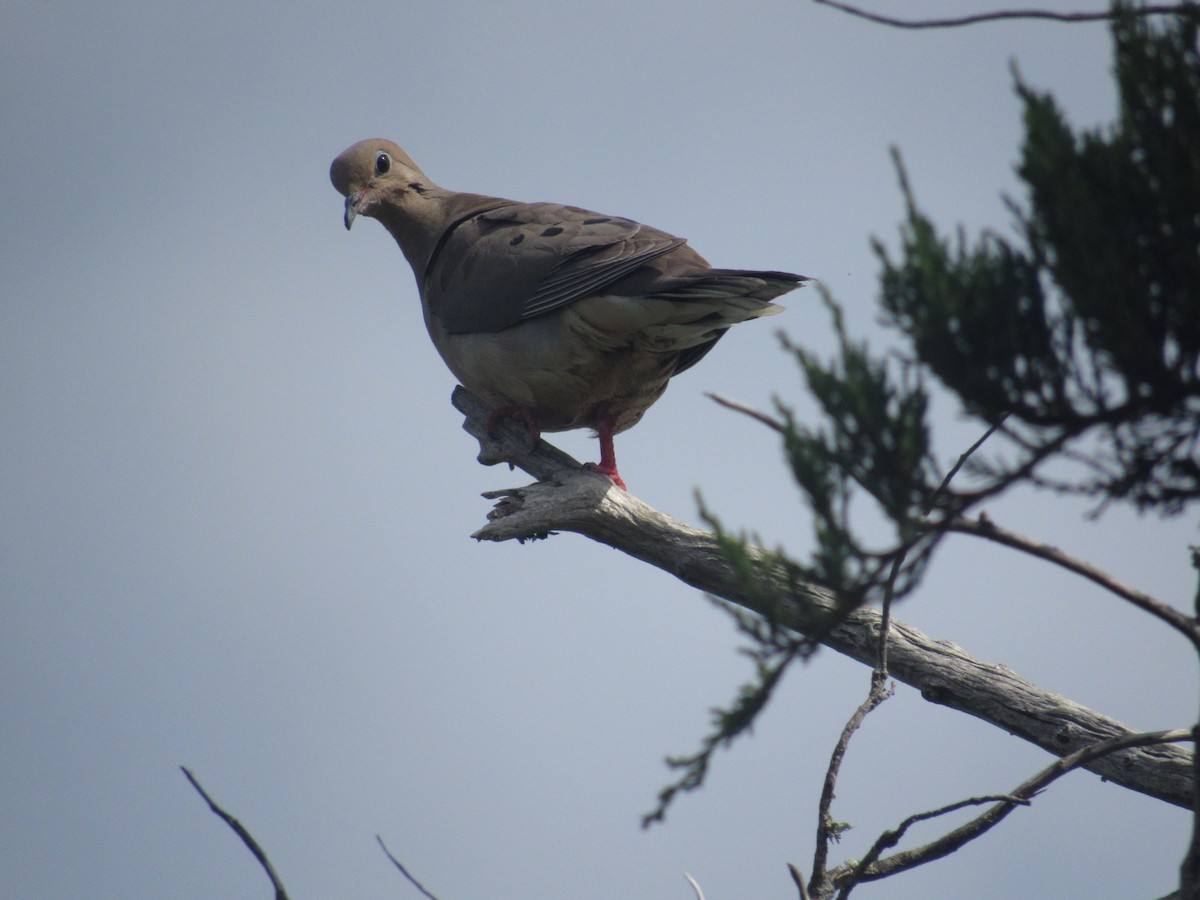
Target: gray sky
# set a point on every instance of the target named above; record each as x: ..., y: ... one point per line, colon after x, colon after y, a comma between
x: 235, y: 501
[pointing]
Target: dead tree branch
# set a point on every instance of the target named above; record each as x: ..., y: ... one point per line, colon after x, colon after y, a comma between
x: 853, y: 874
x: 403, y: 871
x: 570, y: 498
x: 829, y: 831
x: 872, y: 868
x: 999, y: 15
x: 989, y: 530
x: 241, y: 832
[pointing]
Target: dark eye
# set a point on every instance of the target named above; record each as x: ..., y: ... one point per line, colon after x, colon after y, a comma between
x: 383, y: 163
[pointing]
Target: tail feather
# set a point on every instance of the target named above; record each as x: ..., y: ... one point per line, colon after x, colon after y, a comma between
x: 741, y: 294
x: 753, y: 285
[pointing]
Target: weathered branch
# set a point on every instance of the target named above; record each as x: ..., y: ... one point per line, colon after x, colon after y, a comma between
x: 854, y: 873
x: 798, y: 880
x: 1000, y: 15
x: 570, y: 498
x: 989, y: 530
x: 403, y: 871
x: 828, y: 830
x: 241, y: 832
x: 872, y: 868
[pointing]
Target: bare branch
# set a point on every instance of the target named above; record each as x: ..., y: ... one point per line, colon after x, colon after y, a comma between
x: 870, y: 870
x: 829, y: 831
x: 891, y: 837
x: 756, y: 414
x: 1189, y: 869
x: 403, y: 871
x: 1000, y: 15
x: 989, y: 530
x: 798, y: 880
x: 695, y: 886
x: 963, y: 457
x: 241, y: 832
x: 572, y: 499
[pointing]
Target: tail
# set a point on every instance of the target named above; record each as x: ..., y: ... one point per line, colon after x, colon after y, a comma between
x: 747, y: 283
x: 729, y: 296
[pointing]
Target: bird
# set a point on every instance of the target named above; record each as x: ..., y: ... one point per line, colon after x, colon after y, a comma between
x: 556, y: 316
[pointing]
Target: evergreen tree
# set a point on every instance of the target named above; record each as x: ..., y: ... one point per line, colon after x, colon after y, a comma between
x: 1079, y: 342
x: 1075, y: 346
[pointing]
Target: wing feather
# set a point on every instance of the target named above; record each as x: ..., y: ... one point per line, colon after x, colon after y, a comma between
x: 517, y: 261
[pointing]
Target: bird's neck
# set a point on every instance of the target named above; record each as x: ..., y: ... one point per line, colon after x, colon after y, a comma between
x: 420, y: 223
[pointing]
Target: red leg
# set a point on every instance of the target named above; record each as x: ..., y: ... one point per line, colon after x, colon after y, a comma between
x: 608, y: 455
x: 523, y: 413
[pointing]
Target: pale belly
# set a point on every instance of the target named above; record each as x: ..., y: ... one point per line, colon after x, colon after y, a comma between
x: 567, y: 368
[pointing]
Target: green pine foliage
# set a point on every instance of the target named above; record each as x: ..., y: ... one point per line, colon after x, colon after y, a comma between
x: 1076, y: 347
x: 1086, y: 333
x: 1077, y: 343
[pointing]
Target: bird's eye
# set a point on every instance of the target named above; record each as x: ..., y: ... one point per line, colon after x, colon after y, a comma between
x: 383, y: 163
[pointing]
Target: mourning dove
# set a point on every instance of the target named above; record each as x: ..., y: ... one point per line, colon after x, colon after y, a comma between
x: 560, y: 317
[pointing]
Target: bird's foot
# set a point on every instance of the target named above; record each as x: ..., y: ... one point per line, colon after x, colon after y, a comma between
x: 522, y: 413
x: 610, y: 471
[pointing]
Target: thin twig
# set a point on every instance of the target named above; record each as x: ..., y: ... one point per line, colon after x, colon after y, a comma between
x: 827, y: 829
x: 870, y: 868
x: 881, y: 670
x: 989, y: 530
x: 1000, y: 15
x: 247, y: 839
x: 963, y: 457
x: 798, y: 880
x: 902, y: 552
x: 403, y: 871
x: 1195, y: 553
x: 695, y: 886
x: 885, y: 618
x: 891, y: 837
x: 750, y: 411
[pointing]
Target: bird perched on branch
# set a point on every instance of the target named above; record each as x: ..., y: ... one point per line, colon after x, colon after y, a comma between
x: 557, y: 316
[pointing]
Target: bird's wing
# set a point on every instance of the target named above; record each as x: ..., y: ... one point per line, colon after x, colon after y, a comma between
x: 493, y: 269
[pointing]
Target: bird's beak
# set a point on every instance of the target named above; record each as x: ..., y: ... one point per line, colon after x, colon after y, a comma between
x: 353, y: 201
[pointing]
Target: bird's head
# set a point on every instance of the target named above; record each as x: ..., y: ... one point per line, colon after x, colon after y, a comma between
x: 373, y: 175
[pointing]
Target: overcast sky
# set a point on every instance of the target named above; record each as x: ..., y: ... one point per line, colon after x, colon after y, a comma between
x: 235, y: 502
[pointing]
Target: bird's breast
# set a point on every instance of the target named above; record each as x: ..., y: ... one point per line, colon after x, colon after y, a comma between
x: 570, y: 366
